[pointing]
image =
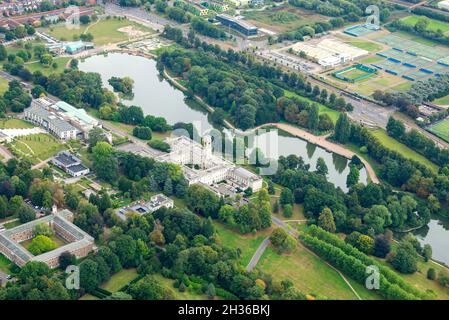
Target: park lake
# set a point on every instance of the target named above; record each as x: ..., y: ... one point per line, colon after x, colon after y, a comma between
x: 157, y: 97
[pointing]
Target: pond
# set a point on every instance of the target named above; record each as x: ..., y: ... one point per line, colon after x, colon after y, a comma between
x: 436, y: 234
x: 157, y: 97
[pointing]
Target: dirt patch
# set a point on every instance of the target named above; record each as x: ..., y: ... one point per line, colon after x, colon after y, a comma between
x: 132, y: 31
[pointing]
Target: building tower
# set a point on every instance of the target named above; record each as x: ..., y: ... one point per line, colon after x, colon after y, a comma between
x: 206, y: 153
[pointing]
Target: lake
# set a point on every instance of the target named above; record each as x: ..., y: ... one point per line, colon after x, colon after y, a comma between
x: 157, y: 97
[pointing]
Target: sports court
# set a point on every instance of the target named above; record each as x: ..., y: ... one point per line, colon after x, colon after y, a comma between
x: 412, y: 47
x: 355, y: 73
x: 361, y: 30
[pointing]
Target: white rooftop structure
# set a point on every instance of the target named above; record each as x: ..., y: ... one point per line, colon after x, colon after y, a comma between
x: 200, y: 165
x: 444, y: 5
x: 329, y: 52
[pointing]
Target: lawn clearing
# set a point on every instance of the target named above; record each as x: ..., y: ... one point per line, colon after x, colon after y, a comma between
x: 5, y: 264
x: 15, y: 124
x: 365, y: 45
x: 441, y: 129
x: 36, y: 147
x: 333, y: 114
x: 3, y: 85
x: 309, y: 274
x: 433, y: 25
x: 119, y: 280
x: 247, y: 244
x: 189, y: 294
x: 405, y: 151
x: 443, y: 100
x: 371, y: 59
x: 37, y: 66
x: 105, y: 31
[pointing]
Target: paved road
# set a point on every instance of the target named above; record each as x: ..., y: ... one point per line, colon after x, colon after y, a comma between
x: 260, y: 250
x: 5, y: 153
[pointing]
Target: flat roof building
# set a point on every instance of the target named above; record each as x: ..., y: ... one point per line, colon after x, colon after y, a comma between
x: 237, y: 24
x: 141, y: 207
x: 77, y: 242
x: 70, y: 164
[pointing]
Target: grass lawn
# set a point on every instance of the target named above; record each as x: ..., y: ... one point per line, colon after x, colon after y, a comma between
x: 88, y: 296
x: 12, y: 224
x: 443, y: 100
x: 433, y: 25
x: 366, y: 45
x: 5, y: 264
x: 36, y: 147
x: 405, y: 151
x: 333, y: 114
x: 37, y: 66
x: 310, y: 274
x: 371, y: 59
x: 441, y: 129
x: 3, y: 85
x: 284, y: 19
x: 119, y: 280
x: 56, y: 239
x: 404, y: 87
x: 104, y: 31
x: 247, y: 244
x: 186, y: 295
x: 15, y: 124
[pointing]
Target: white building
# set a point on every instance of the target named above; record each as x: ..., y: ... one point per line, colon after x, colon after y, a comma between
x: 70, y: 164
x: 200, y: 165
x: 444, y: 5
x: 60, y: 119
x: 156, y: 202
x: 329, y: 52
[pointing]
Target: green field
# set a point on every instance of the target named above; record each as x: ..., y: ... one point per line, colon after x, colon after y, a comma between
x: 353, y: 73
x: 15, y: 124
x: 104, y: 31
x: 37, y: 66
x: 333, y: 114
x: 59, y: 242
x: 284, y: 19
x: 371, y: 59
x: 247, y: 244
x: 441, y: 129
x: 3, y: 85
x: 366, y: 45
x: 189, y: 294
x: 5, y: 264
x: 36, y: 147
x: 310, y: 274
x: 119, y: 280
x: 433, y: 25
x: 405, y: 151
x: 443, y: 100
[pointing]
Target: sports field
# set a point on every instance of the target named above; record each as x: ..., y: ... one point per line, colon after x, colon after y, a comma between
x: 441, y: 129
x: 353, y: 73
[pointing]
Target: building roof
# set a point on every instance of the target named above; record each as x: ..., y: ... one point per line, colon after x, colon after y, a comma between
x: 66, y: 158
x: 51, y: 118
x: 73, y: 112
x: 77, y: 168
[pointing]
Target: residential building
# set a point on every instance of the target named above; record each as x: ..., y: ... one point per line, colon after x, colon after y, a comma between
x: 70, y: 164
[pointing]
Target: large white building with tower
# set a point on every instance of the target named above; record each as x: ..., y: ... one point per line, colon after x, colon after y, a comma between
x: 200, y: 165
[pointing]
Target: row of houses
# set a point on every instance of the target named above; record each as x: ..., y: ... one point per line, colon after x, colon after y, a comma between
x: 35, y: 17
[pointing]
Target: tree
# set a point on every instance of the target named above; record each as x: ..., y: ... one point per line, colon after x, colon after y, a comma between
x: 342, y: 128
x: 41, y: 244
x: 271, y: 189
x: 66, y: 259
x: 149, y: 288
x: 104, y: 163
x: 210, y: 291
x: 427, y: 252
x: 321, y: 167
x: 286, y: 197
x: 431, y: 274
x: 88, y: 275
x: 288, y: 211
x: 353, y: 177
x: 43, y: 229
x: 282, y: 241
x: 26, y: 214
x: 313, y: 119
x: 84, y: 19
x: 382, y: 246
x: 405, y: 259
x: 360, y: 241
x: 326, y: 220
